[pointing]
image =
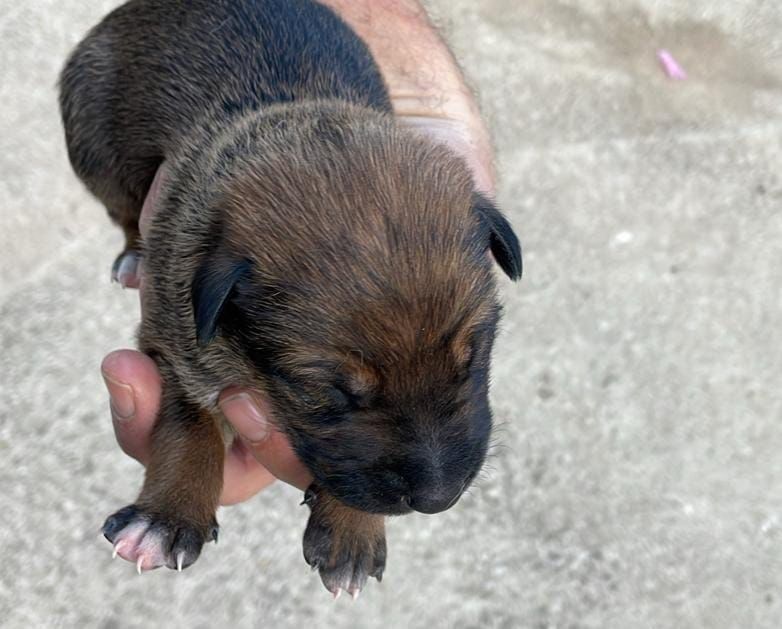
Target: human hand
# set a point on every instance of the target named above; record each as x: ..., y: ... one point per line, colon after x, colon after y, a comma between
x: 432, y: 98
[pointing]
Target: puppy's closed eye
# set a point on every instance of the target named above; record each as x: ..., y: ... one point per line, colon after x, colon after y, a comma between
x: 339, y: 385
x: 346, y: 398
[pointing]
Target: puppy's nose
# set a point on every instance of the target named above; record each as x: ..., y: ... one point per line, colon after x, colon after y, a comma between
x: 429, y: 500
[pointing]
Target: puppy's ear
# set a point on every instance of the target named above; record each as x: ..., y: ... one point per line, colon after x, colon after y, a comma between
x: 213, y: 283
x: 503, y: 242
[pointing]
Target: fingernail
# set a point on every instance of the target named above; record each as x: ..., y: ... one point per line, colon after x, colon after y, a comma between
x: 245, y: 416
x: 123, y: 404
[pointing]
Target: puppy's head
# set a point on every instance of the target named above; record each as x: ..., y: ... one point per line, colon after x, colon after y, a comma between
x: 352, y: 268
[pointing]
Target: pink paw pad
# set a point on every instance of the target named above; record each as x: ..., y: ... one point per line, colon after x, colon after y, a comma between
x: 151, y: 542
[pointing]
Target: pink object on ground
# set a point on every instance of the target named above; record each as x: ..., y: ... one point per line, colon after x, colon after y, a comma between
x: 671, y: 66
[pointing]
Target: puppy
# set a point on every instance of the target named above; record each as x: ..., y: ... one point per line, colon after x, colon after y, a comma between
x: 306, y: 246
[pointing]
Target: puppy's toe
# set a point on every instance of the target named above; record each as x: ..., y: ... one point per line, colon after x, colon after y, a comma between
x: 126, y: 269
x: 150, y: 541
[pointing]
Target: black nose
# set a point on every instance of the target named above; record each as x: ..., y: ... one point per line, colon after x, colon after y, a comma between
x: 428, y: 500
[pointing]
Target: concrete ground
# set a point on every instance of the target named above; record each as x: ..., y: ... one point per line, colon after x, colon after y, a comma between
x: 637, y: 384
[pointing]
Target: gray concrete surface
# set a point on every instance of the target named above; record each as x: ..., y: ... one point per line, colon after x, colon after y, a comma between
x: 638, y: 478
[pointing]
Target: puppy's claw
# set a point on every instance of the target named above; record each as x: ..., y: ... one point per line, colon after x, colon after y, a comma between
x: 355, y: 592
x: 117, y: 547
x: 309, y: 498
x: 180, y: 559
x: 337, y: 594
x: 139, y: 564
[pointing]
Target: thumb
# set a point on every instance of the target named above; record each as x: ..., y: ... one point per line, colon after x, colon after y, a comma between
x: 250, y: 415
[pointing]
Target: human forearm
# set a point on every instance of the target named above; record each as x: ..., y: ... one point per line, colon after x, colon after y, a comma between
x: 427, y: 87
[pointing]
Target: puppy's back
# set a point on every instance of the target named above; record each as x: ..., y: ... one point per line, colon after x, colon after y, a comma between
x: 152, y: 69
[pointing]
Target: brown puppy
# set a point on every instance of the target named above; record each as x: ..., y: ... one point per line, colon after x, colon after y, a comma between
x: 307, y: 247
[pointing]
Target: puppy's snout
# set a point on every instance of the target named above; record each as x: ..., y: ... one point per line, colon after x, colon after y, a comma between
x: 428, y: 492
x: 428, y: 499
x: 422, y: 492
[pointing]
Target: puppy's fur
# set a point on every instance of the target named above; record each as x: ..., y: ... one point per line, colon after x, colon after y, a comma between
x: 306, y: 246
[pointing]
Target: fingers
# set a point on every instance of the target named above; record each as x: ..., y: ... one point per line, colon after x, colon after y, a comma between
x: 253, y: 462
x: 134, y: 389
x: 250, y: 416
x: 243, y: 476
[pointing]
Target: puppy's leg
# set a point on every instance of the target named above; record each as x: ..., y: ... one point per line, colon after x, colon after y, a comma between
x: 115, y: 154
x: 175, y: 513
x: 347, y: 546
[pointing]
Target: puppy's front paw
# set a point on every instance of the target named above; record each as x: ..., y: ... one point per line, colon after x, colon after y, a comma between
x: 151, y: 540
x: 345, y: 545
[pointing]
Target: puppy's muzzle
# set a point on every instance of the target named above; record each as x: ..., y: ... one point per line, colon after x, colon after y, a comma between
x: 426, y: 496
x: 423, y: 487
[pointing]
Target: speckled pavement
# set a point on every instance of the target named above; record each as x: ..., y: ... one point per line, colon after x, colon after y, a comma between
x: 637, y: 480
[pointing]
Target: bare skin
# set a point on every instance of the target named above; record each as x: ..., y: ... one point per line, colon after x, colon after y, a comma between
x: 435, y: 100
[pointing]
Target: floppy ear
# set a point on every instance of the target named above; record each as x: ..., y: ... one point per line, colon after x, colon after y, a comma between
x: 213, y: 283
x: 503, y: 242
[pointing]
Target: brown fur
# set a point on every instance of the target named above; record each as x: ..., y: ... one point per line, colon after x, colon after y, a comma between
x: 310, y: 249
